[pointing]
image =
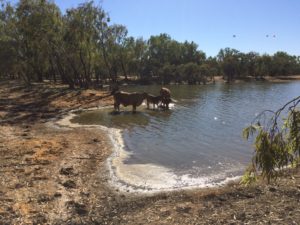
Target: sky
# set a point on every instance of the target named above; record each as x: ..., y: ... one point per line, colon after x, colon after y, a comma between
x: 212, y: 24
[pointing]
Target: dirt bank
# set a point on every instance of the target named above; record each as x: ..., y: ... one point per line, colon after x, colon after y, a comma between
x: 51, y: 175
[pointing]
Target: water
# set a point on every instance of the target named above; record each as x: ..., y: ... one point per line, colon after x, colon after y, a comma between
x: 198, y: 141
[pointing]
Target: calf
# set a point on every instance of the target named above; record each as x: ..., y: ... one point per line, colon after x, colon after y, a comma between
x: 165, y: 94
x: 155, y: 100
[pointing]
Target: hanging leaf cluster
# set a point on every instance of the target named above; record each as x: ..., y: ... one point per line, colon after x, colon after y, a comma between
x: 276, y: 142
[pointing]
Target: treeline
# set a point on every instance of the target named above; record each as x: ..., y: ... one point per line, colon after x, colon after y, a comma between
x: 83, y: 48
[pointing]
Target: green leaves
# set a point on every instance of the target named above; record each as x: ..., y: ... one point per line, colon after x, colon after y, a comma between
x: 249, y: 176
x: 275, y: 147
x: 249, y: 131
x: 83, y: 47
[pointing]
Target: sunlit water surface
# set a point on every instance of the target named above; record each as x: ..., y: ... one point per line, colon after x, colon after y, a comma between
x: 201, y: 136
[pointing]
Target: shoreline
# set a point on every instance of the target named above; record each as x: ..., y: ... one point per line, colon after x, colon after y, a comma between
x: 52, y: 175
x: 219, y: 78
x: 142, y: 179
x: 264, y: 79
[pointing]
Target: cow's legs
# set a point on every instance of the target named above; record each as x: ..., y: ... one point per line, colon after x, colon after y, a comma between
x: 165, y: 103
x: 133, y: 108
x: 117, y: 106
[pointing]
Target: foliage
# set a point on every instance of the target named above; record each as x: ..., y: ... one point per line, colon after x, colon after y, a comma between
x: 82, y: 48
x: 276, y: 143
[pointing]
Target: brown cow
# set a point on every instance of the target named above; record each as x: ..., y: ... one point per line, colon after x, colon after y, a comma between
x: 165, y: 103
x: 126, y: 99
x: 165, y: 94
x: 155, y: 100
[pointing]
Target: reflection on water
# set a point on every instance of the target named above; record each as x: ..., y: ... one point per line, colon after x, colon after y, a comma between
x: 109, y: 118
x: 124, y: 119
x: 201, y: 134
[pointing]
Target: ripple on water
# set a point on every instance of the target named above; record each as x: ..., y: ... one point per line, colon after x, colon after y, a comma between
x: 198, y: 142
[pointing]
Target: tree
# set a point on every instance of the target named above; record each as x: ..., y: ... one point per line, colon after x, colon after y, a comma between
x: 119, y: 50
x: 229, y: 62
x: 80, y: 42
x: 138, y: 59
x: 82, y: 48
x: 282, y: 64
x: 192, y: 73
x: 191, y: 54
x: 166, y: 73
x: 8, y: 52
x: 158, y: 52
x: 262, y: 66
x: 249, y: 61
x: 204, y: 70
x: 37, y: 23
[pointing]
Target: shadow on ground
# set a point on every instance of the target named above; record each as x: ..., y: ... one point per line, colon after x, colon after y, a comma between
x: 19, y: 103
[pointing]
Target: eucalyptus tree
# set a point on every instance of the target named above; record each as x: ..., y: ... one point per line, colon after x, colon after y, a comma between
x: 214, y: 67
x: 83, y: 47
x: 157, y: 55
x: 204, y: 71
x: 166, y: 73
x: 282, y: 64
x: 138, y: 50
x: 80, y: 41
x: 191, y: 73
x: 104, y: 34
x: 37, y: 23
x: 118, y: 50
x: 229, y: 62
x: 248, y: 63
x: 263, y: 66
x: 190, y: 53
x: 26, y: 29
x: 94, y: 49
x: 8, y: 42
x: 126, y: 56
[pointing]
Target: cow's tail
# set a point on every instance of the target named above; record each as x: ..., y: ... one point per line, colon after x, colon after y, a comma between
x: 174, y: 100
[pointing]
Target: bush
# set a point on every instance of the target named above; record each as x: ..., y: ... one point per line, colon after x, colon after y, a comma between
x: 276, y: 147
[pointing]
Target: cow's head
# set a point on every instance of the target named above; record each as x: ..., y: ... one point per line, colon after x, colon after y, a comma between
x: 113, y: 89
x: 145, y: 95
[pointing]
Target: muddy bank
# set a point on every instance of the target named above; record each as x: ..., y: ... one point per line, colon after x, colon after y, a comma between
x: 51, y: 175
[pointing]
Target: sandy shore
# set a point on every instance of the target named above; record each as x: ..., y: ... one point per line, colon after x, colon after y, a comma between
x: 58, y: 175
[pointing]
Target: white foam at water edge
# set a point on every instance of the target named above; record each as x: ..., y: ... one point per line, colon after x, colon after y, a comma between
x: 143, y: 178
x: 171, y: 105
